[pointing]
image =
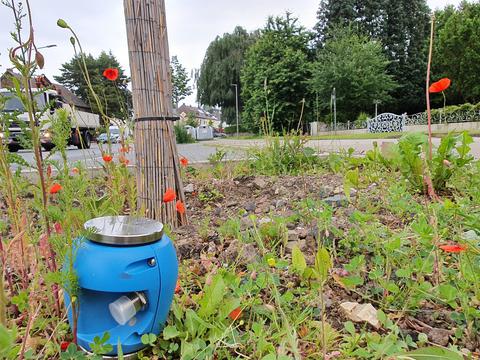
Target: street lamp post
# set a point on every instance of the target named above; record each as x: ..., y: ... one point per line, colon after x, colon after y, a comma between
x: 376, y: 102
x: 236, y: 105
x: 334, y: 99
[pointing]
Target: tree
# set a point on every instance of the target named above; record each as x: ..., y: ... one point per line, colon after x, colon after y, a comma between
x: 221, y: 68
x: 356, y: 67
x: 180, y: 81
x: 115, y: 96
x: 402, y: 26
x: 457, y: 51
x: 277, y: 69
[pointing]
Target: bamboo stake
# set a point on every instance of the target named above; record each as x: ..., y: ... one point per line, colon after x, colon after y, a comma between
x: 155, y: 147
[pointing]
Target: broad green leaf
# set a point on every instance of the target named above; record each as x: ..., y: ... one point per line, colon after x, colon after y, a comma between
x: 299, y: 263
x: 352, y: 281
x: 195, y: 324
x: 430, y: 353
x: 213, y: 296
x: 349, y: 327
x: 170, y: 332
x: 323, y: 263
x: 403, y: 273
x: 351, y: 180
x: 270, y: 357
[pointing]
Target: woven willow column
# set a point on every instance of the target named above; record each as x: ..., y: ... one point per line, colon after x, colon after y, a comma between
x: 157, y: 165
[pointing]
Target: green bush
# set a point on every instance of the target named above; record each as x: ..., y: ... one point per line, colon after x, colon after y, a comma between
x: 410, y: 156
x: 284, y: 156
x: 361, y: 120
x: 182, y: 136
x: 229, y: 130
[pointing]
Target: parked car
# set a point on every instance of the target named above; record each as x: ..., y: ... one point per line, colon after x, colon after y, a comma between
x: 114, y: 136
x: 218, y: 134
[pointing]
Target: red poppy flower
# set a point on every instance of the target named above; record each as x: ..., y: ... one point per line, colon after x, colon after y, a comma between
x: 125, y: 149
x: 64, y: 345
x: 235, y: 314
x: 456, y: 248
x: 111, y: 74
x: 123, y: 160
x: 55, y: 188
x: 107, y: 158
x: 440, y: 85
x: 58, y: 228
x: 178, y: 287
x: 169, y: 196
x: 184, y: 162
x: 75, y: 171
x: 180, y: 206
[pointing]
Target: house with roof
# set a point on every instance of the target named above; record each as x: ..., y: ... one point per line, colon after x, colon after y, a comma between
x: 41, y: 81
x: 199, y: 115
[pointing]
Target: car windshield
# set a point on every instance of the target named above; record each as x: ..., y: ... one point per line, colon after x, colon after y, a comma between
x: 115, y: 131
x: 13, y: 103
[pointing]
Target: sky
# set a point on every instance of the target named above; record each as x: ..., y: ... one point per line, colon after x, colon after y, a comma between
x: 192, y: 25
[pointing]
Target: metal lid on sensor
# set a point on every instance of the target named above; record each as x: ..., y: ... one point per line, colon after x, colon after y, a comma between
x: 124, y: 230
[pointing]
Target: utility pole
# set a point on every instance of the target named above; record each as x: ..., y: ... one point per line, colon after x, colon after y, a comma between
x: 157, y: 163
x: 236, y: 106
x: 334, y: 98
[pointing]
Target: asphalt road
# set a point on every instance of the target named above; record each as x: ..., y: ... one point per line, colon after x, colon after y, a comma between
x: 235, y: 149
x: 196, y: 153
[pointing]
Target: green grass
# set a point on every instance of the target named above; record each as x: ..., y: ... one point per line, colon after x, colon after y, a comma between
x: 393, y: 135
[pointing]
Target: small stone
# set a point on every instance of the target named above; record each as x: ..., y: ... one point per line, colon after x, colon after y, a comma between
x: 471, y: 235
x: 232, y: 203
x: 264, y: 221
x: 301, y: 244
x: 189, y: 188
x: 327, y: 301
x: 259, y: 183
x: 246, y: 223
x: 338, y: 190
x: 337, y: 201
x: 439, y: 336
x: 239, y: 252
x: 292, y: 235
x: 361, y: 313
x: 291, y: 226
x: 217, y: 211
x: 302, y: 233
x: 279, y: 203
x: 212, y: 248
x: 251, y: 206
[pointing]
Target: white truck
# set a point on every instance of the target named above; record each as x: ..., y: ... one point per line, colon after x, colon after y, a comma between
x: 83, y: 124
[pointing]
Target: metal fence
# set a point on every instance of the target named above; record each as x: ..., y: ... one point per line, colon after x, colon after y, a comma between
x: 438, y: 117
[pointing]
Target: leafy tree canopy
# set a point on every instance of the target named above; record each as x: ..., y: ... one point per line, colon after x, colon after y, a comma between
x: 180, y: 80
x: 114, y: 95
x: 402, y: 26
x: 276, y: 73
x: 356, y: 67
x: 221, y: 68
x: 457, y: 51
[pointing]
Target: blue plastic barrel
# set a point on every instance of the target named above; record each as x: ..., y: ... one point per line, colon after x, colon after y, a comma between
x: 126, y: 267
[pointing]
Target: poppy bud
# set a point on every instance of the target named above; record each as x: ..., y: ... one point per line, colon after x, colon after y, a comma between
x: 72, y: 40
x: 62, y: 23
x: 39, y: 59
